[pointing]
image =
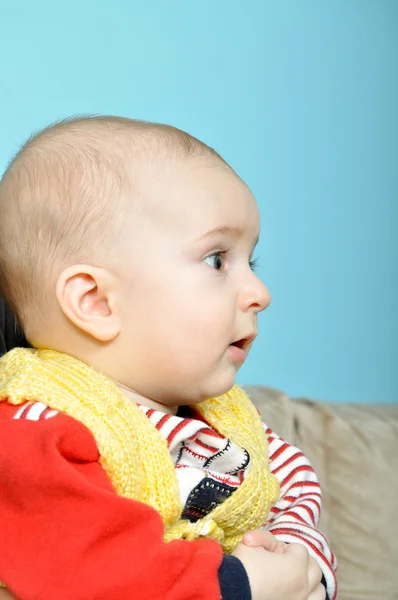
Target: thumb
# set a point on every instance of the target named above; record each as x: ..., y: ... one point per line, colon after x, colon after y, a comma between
x: 260, y: 537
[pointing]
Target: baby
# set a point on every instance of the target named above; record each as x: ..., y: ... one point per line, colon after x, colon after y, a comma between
x: 131, y: 465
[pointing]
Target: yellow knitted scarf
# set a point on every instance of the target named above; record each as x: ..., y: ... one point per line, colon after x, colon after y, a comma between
x: 133, y: 453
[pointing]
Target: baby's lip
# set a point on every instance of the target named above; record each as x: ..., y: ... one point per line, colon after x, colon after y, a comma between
x: 246, y: 341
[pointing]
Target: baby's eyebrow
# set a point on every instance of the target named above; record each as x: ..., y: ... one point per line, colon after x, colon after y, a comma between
x: 235, y: 232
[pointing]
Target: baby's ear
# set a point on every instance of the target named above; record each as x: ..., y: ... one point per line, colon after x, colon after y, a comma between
x: 85, y: 295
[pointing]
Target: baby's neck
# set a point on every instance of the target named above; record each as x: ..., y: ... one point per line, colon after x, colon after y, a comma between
x: 138, y: 399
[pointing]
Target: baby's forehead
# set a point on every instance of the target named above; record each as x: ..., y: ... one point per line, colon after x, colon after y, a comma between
x: 199, y: 197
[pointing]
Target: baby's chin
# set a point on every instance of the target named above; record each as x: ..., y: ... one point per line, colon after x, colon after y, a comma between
x: 190, y: 388
x: 216, y: 386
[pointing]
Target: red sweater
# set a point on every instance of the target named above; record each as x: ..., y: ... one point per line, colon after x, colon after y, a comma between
x: 80, y: 540
x: 99, y: 545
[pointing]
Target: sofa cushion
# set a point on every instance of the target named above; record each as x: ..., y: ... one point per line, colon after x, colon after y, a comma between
x: 354, y: 450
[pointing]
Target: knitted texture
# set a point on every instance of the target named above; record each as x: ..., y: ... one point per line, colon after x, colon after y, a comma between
x: 133, y: 454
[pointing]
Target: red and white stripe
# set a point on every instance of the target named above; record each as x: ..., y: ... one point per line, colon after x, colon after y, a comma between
x: 176, y: 430
x: 34, y: 411
x: 198, y: 452
x: 295, y: 516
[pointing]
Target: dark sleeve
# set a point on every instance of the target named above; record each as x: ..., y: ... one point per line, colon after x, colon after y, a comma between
x: 234, y: 582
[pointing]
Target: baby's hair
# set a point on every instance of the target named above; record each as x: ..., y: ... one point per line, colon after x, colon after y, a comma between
x: 66, y: 194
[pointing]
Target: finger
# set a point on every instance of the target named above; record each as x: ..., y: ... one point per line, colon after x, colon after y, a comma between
x: 299, y: 551
x: 279, y: 548
x: 319, y: 593
x: 314, y: 573
x: 260, y: 537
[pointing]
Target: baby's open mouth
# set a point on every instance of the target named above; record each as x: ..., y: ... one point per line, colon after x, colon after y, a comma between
x: 240, y: 343
x: 245, y: 342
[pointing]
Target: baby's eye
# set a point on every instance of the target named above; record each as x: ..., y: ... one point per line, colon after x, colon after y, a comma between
x: 216, y: 261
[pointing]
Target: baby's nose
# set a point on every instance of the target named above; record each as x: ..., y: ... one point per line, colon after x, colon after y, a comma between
x: 264, y: 296
x: 255, y: 296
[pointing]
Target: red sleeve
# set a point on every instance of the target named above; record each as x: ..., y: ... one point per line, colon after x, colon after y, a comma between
x: 65, y: 534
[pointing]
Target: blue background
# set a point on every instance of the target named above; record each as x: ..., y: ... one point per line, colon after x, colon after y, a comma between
x: 301, y: 98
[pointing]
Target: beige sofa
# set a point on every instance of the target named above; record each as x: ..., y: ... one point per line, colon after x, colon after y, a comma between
x: 354, y: 449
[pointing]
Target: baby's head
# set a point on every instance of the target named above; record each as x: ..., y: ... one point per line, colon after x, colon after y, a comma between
x: 129, y: 245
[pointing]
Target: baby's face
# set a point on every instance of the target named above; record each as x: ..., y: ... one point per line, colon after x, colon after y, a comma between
x: 190, y: 292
